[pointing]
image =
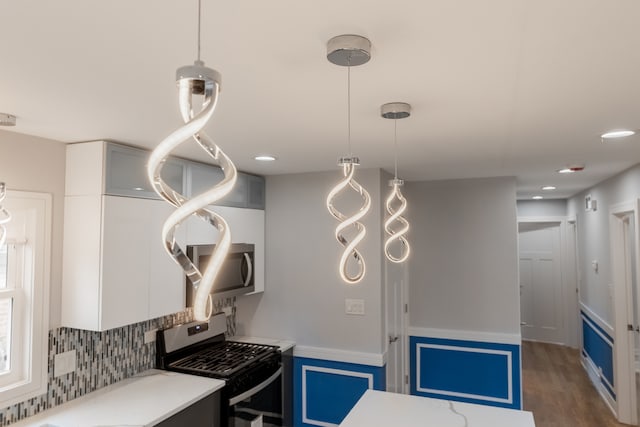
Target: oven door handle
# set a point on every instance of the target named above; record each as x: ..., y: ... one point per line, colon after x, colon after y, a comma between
x: 256, y: 389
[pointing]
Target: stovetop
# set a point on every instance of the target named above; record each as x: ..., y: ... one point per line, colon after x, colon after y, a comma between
x: 224, y: 359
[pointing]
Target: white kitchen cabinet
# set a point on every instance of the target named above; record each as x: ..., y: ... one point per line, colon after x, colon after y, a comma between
x: 115, y: 269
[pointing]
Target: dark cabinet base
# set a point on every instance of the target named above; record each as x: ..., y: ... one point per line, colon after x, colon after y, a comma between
x: 203, y: 413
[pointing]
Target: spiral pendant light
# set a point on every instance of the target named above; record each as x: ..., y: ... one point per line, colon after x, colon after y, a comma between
x: 347, y: 51
x: 5, y: 216
x: 203, y: 82
x: 396, y: 246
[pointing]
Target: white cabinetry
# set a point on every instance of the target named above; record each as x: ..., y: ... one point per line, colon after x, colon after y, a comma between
x: 115, y: 269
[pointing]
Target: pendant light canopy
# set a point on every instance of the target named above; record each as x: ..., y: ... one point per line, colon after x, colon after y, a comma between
x: 202, y: 82
x: 347, y: 51
x: 5, y: 216
x: 396, y: 246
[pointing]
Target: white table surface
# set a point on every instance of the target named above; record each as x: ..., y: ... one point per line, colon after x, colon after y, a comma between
x: 382, y: 409
x: 143, y: 400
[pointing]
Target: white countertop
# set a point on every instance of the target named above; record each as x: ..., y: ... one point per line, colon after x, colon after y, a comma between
x: 283, y: 344
x: 382, y: 409
x: 143, y: 400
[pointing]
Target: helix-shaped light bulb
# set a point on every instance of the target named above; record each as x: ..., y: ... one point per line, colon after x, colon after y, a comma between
x: 396, y: 236
x: 195, y: 80
x: 5, y: 216
x: 348, y: 223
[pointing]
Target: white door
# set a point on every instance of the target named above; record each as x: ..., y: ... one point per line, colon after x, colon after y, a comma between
x: 396, y: 291
x: 541, y: 299
x: 624, y: 244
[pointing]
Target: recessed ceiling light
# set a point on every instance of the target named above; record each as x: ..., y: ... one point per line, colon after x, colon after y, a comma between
x: 265, y: 158
x: 617, y: 134
x: 548, y: 188
x: 571, y: 169
x: 537, y: 197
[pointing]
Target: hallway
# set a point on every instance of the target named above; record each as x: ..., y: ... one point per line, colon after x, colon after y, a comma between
x: 557, y: 390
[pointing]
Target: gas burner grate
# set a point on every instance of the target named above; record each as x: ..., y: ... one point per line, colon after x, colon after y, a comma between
x: 222, y: 360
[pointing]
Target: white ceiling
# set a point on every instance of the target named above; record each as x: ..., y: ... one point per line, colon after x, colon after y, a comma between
x: 498, y: 88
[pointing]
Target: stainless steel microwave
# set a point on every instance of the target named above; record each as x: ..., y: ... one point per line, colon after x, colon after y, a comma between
x: 236, y: 275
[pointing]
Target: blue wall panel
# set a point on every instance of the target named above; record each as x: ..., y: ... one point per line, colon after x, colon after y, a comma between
x: 598, y: 346
x: 325, y: 391
x: 467, y: 371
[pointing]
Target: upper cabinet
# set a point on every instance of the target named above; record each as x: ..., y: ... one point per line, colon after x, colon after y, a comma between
x: 122, y: 171
x: 115, y: 268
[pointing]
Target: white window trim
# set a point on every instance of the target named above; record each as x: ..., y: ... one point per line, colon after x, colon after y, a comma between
x: 35, y: 382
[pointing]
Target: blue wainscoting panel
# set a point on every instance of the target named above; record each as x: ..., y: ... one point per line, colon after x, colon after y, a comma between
x: 597, y: 345
x: 467, y: 371
x: 325, y: 391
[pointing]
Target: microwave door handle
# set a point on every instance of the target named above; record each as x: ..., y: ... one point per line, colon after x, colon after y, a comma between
x: 247, y: 259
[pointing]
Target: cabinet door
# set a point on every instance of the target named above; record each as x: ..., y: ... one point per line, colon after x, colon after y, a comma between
x: 125, y: 261
x: 166, y: 277
x: 238, y: 196
x: 202, y: 177
x: 255, y: 192
x: 126, y: 172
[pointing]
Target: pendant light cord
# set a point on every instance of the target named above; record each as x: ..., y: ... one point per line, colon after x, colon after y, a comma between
x: 349, y: 105
x: 199, y: 14
x: 395, y: 145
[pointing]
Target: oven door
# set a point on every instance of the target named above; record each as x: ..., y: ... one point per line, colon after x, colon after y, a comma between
x: 260, y: 406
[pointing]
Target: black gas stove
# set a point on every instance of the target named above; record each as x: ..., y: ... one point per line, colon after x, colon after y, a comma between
x: 252, y: 372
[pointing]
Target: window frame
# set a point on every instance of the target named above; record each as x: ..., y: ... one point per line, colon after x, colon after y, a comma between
x: 32, y: 297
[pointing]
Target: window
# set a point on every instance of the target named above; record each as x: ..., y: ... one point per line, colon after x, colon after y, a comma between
x: 24, y: 302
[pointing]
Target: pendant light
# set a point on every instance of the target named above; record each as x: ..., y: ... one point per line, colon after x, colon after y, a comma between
x: 5, y: 216
x: 348, y: 51
x: 195, y: 80
x: 396, y: 204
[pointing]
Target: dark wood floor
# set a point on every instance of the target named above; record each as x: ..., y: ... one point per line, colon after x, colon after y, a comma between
x: 557, y: 390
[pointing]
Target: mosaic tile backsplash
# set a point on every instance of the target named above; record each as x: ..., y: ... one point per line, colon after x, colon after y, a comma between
x: 102, y: 359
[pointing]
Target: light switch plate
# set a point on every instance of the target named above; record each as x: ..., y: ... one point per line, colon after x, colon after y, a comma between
x: 354, y: 306
x: 63, y: 363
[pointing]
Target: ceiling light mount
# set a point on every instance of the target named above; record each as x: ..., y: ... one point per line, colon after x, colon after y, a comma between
x: 7, y: 119
x: 395, y: 110
x: 349, y: 50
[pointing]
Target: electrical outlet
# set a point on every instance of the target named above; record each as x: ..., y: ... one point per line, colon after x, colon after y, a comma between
x: 64, y: 363
x: 354, y: 306
x: 150, y: 336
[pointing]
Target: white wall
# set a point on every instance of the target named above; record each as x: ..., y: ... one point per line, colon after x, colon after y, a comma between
x: 29, y: 163
x: 304, y: 297
x: 593, y: 238
x: 530, y: 208
x: 463, y: 273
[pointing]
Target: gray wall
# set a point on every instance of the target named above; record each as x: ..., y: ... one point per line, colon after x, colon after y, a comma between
x: 304, y: 298
x: 557, y: 207
x: 463, y: 273
x: 593, y: 238
x: 29, y: 163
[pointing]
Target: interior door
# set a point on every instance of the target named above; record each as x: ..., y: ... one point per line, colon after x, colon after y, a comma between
x: 396, y: 314
x: 541, y: 298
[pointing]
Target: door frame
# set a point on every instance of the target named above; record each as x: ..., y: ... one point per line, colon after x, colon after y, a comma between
x: 403, y: 338
x: 624, y: 350
x: 572, y: 311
